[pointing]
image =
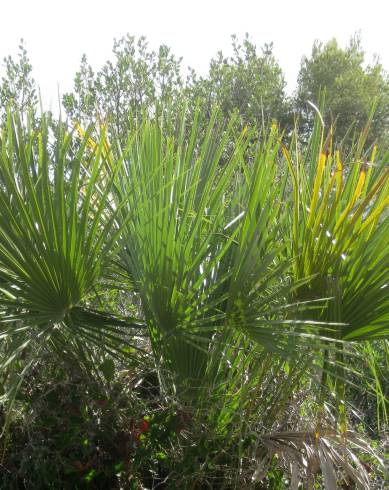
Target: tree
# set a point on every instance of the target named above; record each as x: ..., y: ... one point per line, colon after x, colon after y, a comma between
x: 18, y: 85
x: 249, y: 82
x: 350, y: 88
x: 131, y: 83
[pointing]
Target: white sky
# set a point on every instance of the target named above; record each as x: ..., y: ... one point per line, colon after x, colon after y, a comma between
x: 57, y: 32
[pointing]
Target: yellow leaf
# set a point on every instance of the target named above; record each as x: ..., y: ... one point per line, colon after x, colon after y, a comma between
x: 339, y: 175
x: 317, y: 185
x: 354, y: 198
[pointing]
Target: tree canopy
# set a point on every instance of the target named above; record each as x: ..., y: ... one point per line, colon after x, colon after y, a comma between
x: 350, y: 86
x: 250, y: 82
x: 18, y: 86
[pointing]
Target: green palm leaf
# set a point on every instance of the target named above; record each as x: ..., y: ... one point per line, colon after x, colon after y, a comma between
x: 57, y: 237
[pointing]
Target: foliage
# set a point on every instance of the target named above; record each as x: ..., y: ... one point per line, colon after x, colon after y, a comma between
x: 18, y: 85
x: 248, y: 82
x: 248, y: 318
x: 191, y: 296
x: 350, y: 87
x: 57, y: 232
x: 124, y: 87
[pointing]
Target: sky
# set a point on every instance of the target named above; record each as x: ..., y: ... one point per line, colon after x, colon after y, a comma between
x: 57, y: 33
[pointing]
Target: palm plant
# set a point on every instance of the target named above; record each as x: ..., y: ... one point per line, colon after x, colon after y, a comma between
x: 204, y: 246
x: 339, y: 236
x: 198, y: 244
x: 57, y: 233
x: 245, y: 294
